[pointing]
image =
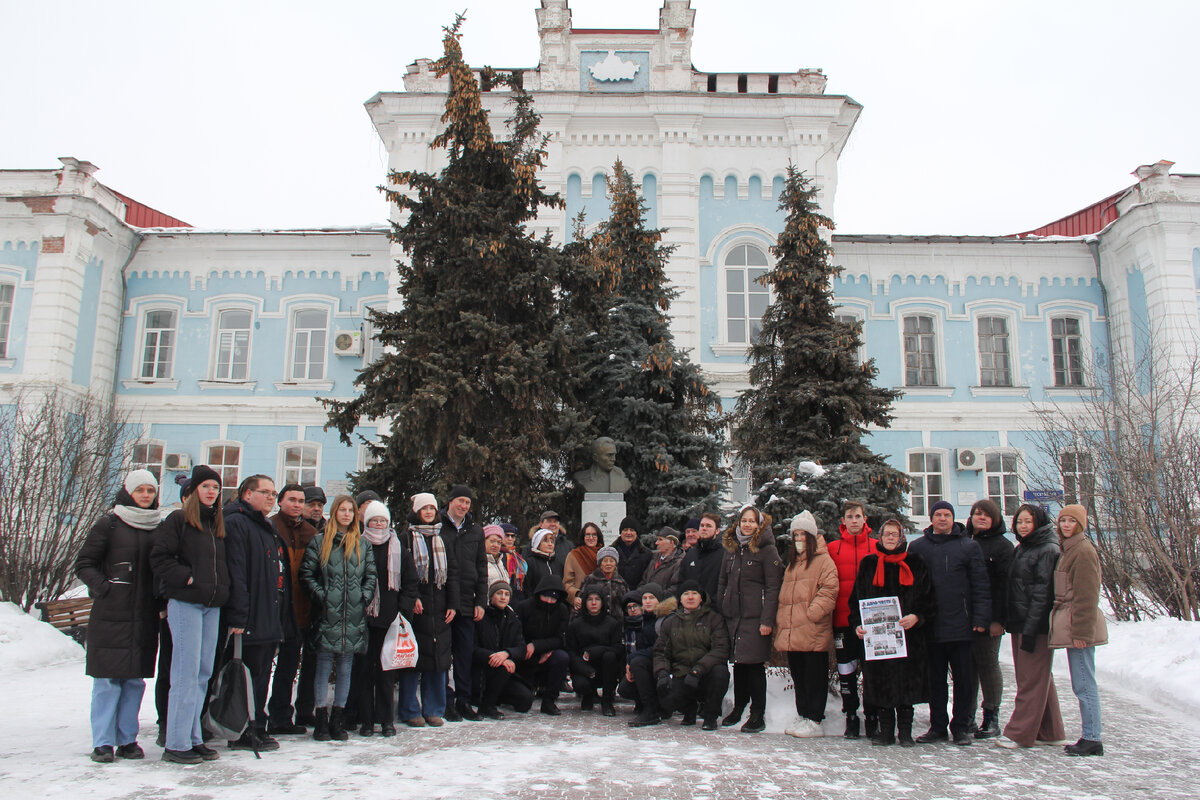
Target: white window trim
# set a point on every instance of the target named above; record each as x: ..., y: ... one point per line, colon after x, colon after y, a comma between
x: 362, y: 457
x: 5, y: 358
x: 1085, y: 345
x: 151, y: 442
x: 214, y: 348
x: 281, y: 459
x: 846, y: 308
x: 140, y: 312
x: 757, y: 237
x: 367, y: 329
x: 1022, y: 483
x: 939, y: 344
x: 1062, y: 476
x: 922, y: 520
x: 289, y: 353
x: 1014, y: 367
x: 241, y: 446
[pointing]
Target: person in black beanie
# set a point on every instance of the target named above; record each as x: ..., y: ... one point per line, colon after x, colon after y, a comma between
x: 464, y: 541
x: 634, y: 556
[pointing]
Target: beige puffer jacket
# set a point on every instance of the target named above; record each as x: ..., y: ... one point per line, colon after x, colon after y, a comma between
x: 1076, y: 613
x: 804, y: 621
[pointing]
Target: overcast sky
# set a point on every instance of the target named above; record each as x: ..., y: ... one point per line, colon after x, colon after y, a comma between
x: 979, y: 118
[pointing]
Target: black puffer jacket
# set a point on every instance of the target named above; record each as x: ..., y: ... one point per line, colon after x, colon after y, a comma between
x: 181, y: 552
x: 998, y: 556
x: 702, y: 563
x: 434, y: 643
x: 340, y: 590
x: 593, y: 635
x: 960, y: 581
x: 258, y: 590
x: 467, y: 544
x: 748, y: 594
x: 541, y: 567
x: 545, y: 624
x: 114, y: 563
x: 1031, y: 582
x: 500, y: 629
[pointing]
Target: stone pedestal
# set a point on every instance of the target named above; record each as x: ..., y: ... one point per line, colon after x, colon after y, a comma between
x: 606, y: 509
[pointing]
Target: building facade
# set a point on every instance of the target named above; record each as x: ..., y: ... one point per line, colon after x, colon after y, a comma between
x: 220, y: 342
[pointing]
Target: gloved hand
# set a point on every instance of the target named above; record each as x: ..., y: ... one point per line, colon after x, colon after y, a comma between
x: 664, y: 684
x: 692, y: 681
x: 1028, y: 643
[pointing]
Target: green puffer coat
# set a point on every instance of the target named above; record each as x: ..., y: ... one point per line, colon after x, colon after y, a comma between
x: 340, y: 591
x: 688, y: 640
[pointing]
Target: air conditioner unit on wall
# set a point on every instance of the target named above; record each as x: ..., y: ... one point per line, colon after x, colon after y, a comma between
x: 968, y: 459
x: 177, y: 461
x: 347, y: 343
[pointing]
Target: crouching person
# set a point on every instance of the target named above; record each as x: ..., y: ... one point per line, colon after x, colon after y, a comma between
x: 689, y: 659
x: 544, y: 618
x: 646, y: 610
x: 499, y: 646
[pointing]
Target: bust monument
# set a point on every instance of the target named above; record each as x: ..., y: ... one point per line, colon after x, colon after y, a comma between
x: 603, y: 475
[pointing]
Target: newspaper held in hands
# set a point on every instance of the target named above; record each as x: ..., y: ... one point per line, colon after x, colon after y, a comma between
x: 883, y: 637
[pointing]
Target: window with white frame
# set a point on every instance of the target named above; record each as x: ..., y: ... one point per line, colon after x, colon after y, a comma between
x: 7, y: 292
x: 226, y: 459
x: 300, y: 463
x: 920, y: 351
x: 310, y: 329
x: 158, y: 344
x: 1066, y: 344
x: 852, y: 320
x: 372, y: 349
x: 739, y: 482
x: 1078, y: 477
x: 995, y: 359
x: 232, y: 361
x: 149, y: 456
x: 1003, y: 482
x: 925, y: 480
x: 746, y: 299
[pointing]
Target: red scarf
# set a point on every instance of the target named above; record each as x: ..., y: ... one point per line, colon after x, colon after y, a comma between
x: 906, y: 576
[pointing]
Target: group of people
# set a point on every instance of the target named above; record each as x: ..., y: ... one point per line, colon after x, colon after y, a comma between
x: 308, y: 601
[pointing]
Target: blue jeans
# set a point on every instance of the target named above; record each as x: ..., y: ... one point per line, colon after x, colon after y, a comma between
x: 194, y: 631
x: 341, y: 686
x: 1082, y: 662
x: 433, y: 694
x: 115, y: 706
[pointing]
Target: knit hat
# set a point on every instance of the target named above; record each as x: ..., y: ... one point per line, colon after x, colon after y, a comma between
x: 690, y: 586
x: 668, y: 532
x: 608, y: 551
x: 939, y: 505
x: 692, y: 524
x: 202, y: 473
x: 804, y: 521
x: 630, y: 522
x: 375, y: 509
x: 366, y: 497
x: 312, y: 493
x: 493, y: 530
x: 509, y: 528
x: 653, y: 588
x: 461, y: 490
x: 423, y: 499
x: 1078, y: 512
x: 538, y: 536
x: 498, y: 586
x: 140, y: 477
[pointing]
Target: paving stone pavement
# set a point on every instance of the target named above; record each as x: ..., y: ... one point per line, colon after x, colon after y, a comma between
x: 590, y: 757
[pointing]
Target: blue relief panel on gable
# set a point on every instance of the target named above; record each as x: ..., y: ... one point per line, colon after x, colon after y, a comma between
x: 89, y: 309
x: 614, y: 70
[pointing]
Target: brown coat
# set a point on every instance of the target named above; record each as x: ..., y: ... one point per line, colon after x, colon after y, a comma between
x: 748, y: 593
x: 573, y: 576
x: 296, y: 538
x: 807, y: 597
x: 1076, y: 613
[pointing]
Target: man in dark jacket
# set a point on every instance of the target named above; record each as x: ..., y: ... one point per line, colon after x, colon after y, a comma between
x: 294, y: 656
x: 634, y: 556
x: 314, y: 507
x: 465, y: 538
x: 544, y: 616
x: 665, y: 564
x: 689, y: 658
x: 702, y: 561
x: 960, y: 582
x: 259, y: 595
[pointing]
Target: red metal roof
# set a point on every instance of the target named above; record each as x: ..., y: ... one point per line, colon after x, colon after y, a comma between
x: 1092, y: 219
x: 140, y: 215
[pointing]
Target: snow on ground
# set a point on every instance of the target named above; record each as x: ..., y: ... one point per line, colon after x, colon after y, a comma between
x: 45, y: 740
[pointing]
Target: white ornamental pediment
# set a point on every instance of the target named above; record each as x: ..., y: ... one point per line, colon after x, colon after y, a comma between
x: 613, y: 68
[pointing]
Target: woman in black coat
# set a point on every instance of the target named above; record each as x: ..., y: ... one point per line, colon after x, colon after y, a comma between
x: 122, y: 643
x: 499, y: 648
x: 433, y: 611
x: 895, y: 685
x: 594, y: 643
x: 395, y: 593
x: 986, y: 526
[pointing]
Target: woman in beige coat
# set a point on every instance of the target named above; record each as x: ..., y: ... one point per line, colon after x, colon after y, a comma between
x: 1077, y: 624
x: 804, y: 622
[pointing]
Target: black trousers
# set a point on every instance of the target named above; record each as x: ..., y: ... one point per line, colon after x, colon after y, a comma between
x: 710, y: 693
x: 549, y: 675
x: 810, y: 677
x: 848, y: 652
x: 750, y: 685
x: 462, y: 637
x: 957, y: 657
x: 497, y: 685
x: 608, y: 666
x: 375, y: 687
x: 294, y: 659
x: 643, y: 687
x: 162, y: 676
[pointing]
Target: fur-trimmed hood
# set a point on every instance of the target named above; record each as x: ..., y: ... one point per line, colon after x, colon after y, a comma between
x: 729, y: 540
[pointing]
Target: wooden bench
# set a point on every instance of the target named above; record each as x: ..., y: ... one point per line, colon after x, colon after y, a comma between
x: 69, y: 616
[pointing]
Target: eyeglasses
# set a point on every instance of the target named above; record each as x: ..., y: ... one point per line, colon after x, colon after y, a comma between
x: 268, y: 493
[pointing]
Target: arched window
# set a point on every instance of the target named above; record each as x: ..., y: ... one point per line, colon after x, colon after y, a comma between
x: 745, y: 297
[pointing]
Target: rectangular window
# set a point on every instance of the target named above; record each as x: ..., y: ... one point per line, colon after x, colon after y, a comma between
x: 149, y: 456
x: 7, y: 290
x: 300, y: 464
x: 925, y: 477
x: 920, y: 353
x: 308, y: 344
x: 233, y: 345
x: 372, y: 349
x: 739, y: 482
x: 1000, y: 470
x: 158, y: 345
x: 1079, y: 478
x: 995, y: 364
x: 746, y: 298
x: 1066, y: 339
x: 226, y: 459
x: 852, y: 320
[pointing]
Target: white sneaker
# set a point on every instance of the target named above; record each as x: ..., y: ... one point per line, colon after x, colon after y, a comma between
x: 1007, y: 743
x: 809, y: 729
x: 794, y: 727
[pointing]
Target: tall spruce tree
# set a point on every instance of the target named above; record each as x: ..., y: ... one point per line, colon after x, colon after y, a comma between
x: 811, y: 398
x: 472, y: 383
x: 637, y: 387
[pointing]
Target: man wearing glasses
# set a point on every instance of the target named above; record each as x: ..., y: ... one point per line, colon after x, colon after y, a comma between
x: 258, y: 594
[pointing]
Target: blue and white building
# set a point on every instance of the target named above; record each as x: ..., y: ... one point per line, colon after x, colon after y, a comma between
x: 218, y: 341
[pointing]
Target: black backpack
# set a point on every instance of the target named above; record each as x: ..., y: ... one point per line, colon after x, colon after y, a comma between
x: 231, y: 706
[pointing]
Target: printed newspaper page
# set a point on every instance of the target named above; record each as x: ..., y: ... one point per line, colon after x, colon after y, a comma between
x: 882, y: 635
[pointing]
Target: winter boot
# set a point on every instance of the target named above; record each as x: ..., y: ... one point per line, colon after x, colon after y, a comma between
x: 337, y: 724
x: 851, y: 726
x: 990, y: 728
x: 366, y: 729
x: 321, y: 729
x: 645, y: 719
x: 689, y: 715
x: 606, y: 707
x: 871, y: 722
x: 550, y: 708
x: 588, y: 702
x: 755, y: 723
x: 885, y: 725
x: 904, y: 721
x: 734, y: 716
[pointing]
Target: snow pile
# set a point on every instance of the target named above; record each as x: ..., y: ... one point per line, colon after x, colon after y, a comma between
x: 28, y: 643
x: 810, y: 468
x: 1157, y: 658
